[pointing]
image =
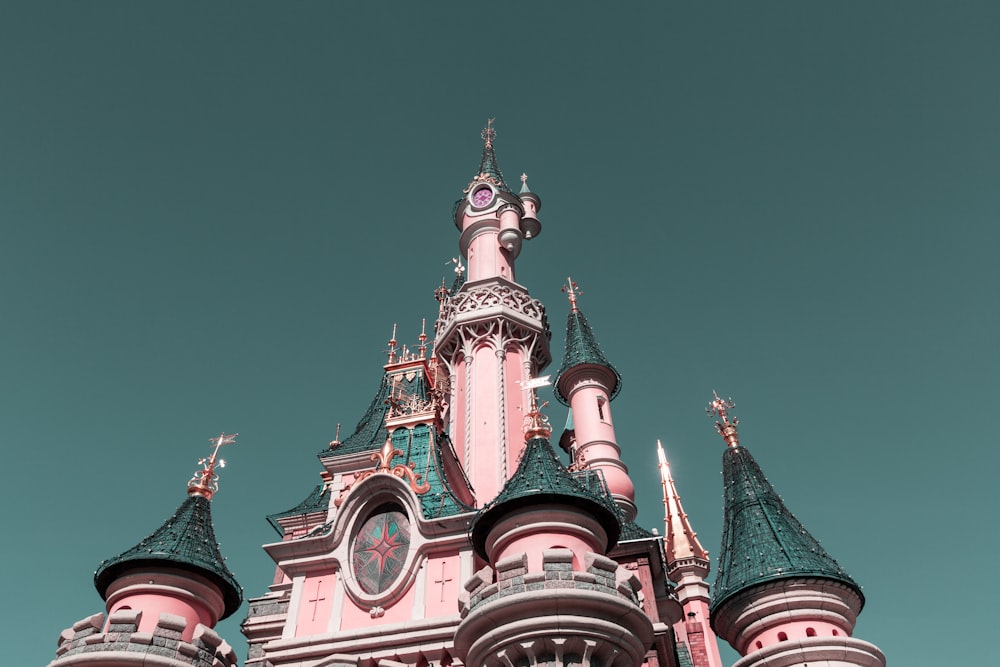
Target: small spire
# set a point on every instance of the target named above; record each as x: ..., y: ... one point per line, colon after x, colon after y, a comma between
x: 205, y: 482
x: 536, y: 424
x: 524, y: 184
x: 726, y: 428
x: 488, y: 133
x: 681, y: 540
x: 422, y: 348
x: 336, y: 439
x: 572, y: 291
x: 392, y: 345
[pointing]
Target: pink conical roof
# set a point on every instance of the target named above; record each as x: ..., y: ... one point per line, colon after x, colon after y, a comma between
x: 681, y: 541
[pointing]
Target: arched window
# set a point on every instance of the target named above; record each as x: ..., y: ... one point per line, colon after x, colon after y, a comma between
x: 782, y: 637
x: 810, y: 632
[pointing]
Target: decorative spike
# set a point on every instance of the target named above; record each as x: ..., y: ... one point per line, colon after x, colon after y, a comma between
x: 536, y: 424
x: 392, y: 346
x: 422, y: 348
x: 725, y: 428
x: 488, y: 133
x: 336, y: 439
x: 205, y: 482
x: 572, y: 291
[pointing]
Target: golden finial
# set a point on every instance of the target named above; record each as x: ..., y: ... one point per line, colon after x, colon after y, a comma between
x: 726, y: 428
x: 536, y: 424
x: 336, y: 439
x: 488, y: 133
x: 392, y: 346
x: 422, y: 348
x: 205, y: 482
x: 572, y: 291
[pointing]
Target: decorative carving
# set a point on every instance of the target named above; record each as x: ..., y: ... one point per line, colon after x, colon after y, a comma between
x: 405, y: 472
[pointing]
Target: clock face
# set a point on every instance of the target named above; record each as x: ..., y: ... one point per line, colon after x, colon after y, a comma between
x: 380, y: 549
x: 482, y: 197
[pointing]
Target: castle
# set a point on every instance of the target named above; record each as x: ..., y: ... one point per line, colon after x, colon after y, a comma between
x: 453, y: 527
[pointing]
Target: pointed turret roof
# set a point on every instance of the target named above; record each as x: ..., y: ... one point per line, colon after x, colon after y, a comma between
x: 761, y: 540
x: 681, y: 542
x: 488, y: 167
x: 542, y: 479
x: 186, y: 540
x: 582, y: 349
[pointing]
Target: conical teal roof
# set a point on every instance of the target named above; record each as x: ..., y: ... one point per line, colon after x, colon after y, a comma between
x: 185, y: 540
x: 542, y: 479
x: 761, y: 540
x: 582, y: 349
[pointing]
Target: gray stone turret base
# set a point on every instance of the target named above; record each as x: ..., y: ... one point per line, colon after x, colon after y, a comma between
x: 590, y: 618
x: 122, y: 645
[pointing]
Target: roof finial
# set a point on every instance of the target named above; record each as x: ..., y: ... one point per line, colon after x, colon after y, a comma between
x: 488, y: 133
x: 336, y: 439
x: 572, y: 291
x: 536, y: 424
x: 422, y: 348
x: 726, y: 428
x: 392, y: 345
x: 205, y: 482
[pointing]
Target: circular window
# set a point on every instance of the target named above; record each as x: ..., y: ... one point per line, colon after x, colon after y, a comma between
x: 482, y: 196
x: 380, y: 549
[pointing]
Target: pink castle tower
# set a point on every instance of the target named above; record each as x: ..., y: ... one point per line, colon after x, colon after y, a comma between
x: 164, y: 595
x: 687, y: 567
x: 779, y: 598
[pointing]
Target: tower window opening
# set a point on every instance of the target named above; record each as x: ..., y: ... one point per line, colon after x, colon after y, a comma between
x: 836, y: 634
x: 600, y: 408
x: 782, y: 637
x: 759, y: 646
x: 810, y: 632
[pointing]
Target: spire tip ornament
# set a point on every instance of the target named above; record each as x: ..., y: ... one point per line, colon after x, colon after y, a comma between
x: 572, y: 291
x: 536, y: 424
x: 488, y: 133
x: 727, y: 429
x: 205, y: 482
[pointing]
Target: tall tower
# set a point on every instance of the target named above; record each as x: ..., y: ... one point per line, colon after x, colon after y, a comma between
x: 164, y: 595
x: 779, y: 598
x: 687, y: 567
x: 491, y: 335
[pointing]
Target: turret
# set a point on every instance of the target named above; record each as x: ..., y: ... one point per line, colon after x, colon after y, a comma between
x: 587, y: 383
x: 687, y: 567
x: 549, y: 591
x: 164, y: 595
x: 779, y: 598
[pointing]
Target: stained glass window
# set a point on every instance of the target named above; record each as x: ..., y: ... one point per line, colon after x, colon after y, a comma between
x: 380, y: 549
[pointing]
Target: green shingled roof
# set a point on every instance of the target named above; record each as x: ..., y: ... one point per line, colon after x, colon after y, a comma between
x: 317, y: 501
x: 488, y: 165
x: 542, y: 479
x: 185, y: 540
x: 582, y: 349
x: 761, y: 540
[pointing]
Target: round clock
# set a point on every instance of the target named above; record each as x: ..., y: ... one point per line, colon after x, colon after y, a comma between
x: 482, y: 196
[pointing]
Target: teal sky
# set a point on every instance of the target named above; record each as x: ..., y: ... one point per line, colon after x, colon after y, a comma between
x: 213, y: 213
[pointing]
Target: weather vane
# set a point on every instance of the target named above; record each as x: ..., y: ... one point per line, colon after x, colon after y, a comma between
x: 572, y: 291
x: 489, y: 134
x: 536, y: 424
x: 205, y: 482
x: 727, y: 429
x: 392, y: 345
